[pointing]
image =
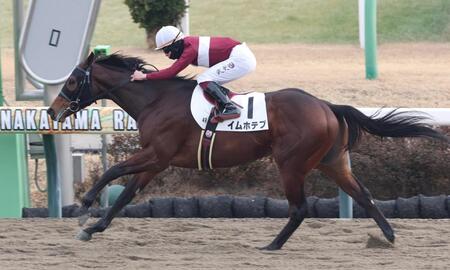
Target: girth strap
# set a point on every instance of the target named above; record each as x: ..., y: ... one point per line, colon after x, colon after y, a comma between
x: 206, y: 143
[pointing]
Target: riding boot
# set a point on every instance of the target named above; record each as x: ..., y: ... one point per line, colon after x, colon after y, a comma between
x: 227, y: 110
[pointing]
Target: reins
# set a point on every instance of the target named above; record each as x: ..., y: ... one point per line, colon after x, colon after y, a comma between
x: 76, y: 102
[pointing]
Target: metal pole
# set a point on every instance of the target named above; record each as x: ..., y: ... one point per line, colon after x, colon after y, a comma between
x: 64, y: 154
x: 371, y: 39
x: 345, y: 201
x: 361, y: 18
x: 53, y: 177
x: 184, y: 24
x: 104, y: 198
x: 104, y: 146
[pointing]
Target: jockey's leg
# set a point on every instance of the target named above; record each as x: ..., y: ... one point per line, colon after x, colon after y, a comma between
x: 240, y: 63
x: 227, y: 109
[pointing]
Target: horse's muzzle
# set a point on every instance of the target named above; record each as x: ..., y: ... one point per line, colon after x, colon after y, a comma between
x: 51, y: 112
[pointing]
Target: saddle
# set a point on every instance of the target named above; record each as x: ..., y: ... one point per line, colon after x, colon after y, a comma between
x: 204, y: 108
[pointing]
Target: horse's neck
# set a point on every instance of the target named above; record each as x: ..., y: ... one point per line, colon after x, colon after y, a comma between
x: 135, y: 97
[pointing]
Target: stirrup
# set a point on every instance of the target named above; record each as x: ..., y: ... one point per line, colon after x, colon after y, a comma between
x: 222, y: 116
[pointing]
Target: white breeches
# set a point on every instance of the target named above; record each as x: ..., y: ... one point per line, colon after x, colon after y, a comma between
x: 240, y: 63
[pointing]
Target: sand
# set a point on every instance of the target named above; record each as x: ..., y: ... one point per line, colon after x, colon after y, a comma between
x: 223, y: 244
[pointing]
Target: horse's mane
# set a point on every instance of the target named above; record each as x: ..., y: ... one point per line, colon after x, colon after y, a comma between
x: 120, y: 61
x: 130, y: 63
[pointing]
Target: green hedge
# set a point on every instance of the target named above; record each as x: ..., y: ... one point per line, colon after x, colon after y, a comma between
x: 153, y: 14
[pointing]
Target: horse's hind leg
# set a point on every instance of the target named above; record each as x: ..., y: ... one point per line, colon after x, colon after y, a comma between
x: 339, y: 170
x: 298, y: 209
x: 294, y: 165
x: 137, y: 183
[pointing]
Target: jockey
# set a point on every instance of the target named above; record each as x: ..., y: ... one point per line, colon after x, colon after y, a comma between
x: 226, y: 59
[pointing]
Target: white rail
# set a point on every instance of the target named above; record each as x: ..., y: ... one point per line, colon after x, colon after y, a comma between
x: 439, y: 116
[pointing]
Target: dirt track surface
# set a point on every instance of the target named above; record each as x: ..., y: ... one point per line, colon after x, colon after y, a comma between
x: 223, y: 244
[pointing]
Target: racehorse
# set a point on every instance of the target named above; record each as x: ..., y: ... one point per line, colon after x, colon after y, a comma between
x: 305, y: 133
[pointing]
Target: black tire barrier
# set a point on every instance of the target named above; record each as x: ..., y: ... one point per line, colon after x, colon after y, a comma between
x: 327, y: 208
x: 277, y: 208
x: 448, y: 205
x: 249, y: 207
x: 388, y: 208
x: 433, y: 207
x: 226, y: 206
x: 215, y: 206
x: 34, y: 212
x: 101, y: 212
x: 69, y: 210
x: 142, y: 210
x: 162, y: 207
x: 311, y: 201
x: 408, y: 207
x: 185, y: 208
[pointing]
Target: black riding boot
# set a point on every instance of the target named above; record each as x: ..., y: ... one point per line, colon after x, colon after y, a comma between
x: 227, y: 109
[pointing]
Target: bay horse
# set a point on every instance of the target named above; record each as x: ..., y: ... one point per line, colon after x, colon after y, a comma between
x: 304, y: 133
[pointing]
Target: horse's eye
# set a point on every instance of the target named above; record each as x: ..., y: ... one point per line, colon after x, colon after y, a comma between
x: 71, y: 84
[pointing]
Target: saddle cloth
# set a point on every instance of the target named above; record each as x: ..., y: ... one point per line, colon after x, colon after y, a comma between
x: 253, y: 114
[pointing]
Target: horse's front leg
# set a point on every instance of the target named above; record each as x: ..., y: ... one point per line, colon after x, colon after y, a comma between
x: 143, y: 160
x: 89, y: 198
x: 137, y: 183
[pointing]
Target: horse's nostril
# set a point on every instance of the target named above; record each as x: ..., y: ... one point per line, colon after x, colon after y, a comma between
x: 51, y: 112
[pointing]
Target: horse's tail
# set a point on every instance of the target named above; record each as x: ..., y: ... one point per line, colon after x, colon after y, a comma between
x: 393, y: 124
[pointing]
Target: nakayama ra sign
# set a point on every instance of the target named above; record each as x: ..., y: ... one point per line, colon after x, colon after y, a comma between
x: 92, y: 120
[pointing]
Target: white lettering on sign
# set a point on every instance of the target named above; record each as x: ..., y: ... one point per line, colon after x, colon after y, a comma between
x: 131, y: 124
x: 43, y: 121
x: 67, y: 124
x: 30, y: 119
x: 81, y: 121
x: 95, y: 121
x: 18, y: 120
x: 118, y: 116
x: 89, y: 120
x: 6, y: 119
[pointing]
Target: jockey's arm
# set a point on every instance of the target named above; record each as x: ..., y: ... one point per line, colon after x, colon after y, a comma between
x: 172, y: 71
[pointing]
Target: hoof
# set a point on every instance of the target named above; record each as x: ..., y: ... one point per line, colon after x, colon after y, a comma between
x: 83, y: 219
x: 389, y: 234
x: 83, y: 236
x: 270, y: 247
x: 390, y: 238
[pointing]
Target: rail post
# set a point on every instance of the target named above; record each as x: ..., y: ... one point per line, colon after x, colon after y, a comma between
x: 345, y: 201
x: 104, y: 198
x: 370, y: 40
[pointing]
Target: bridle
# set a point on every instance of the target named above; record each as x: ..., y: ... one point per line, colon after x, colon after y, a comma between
x: 82, y: 97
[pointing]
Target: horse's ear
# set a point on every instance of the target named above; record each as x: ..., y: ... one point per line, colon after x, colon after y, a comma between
x: 90, y: 59
x: 88, y: 62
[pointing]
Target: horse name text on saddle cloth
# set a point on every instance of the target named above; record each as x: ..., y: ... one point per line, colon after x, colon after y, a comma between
x: 253, y: 114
